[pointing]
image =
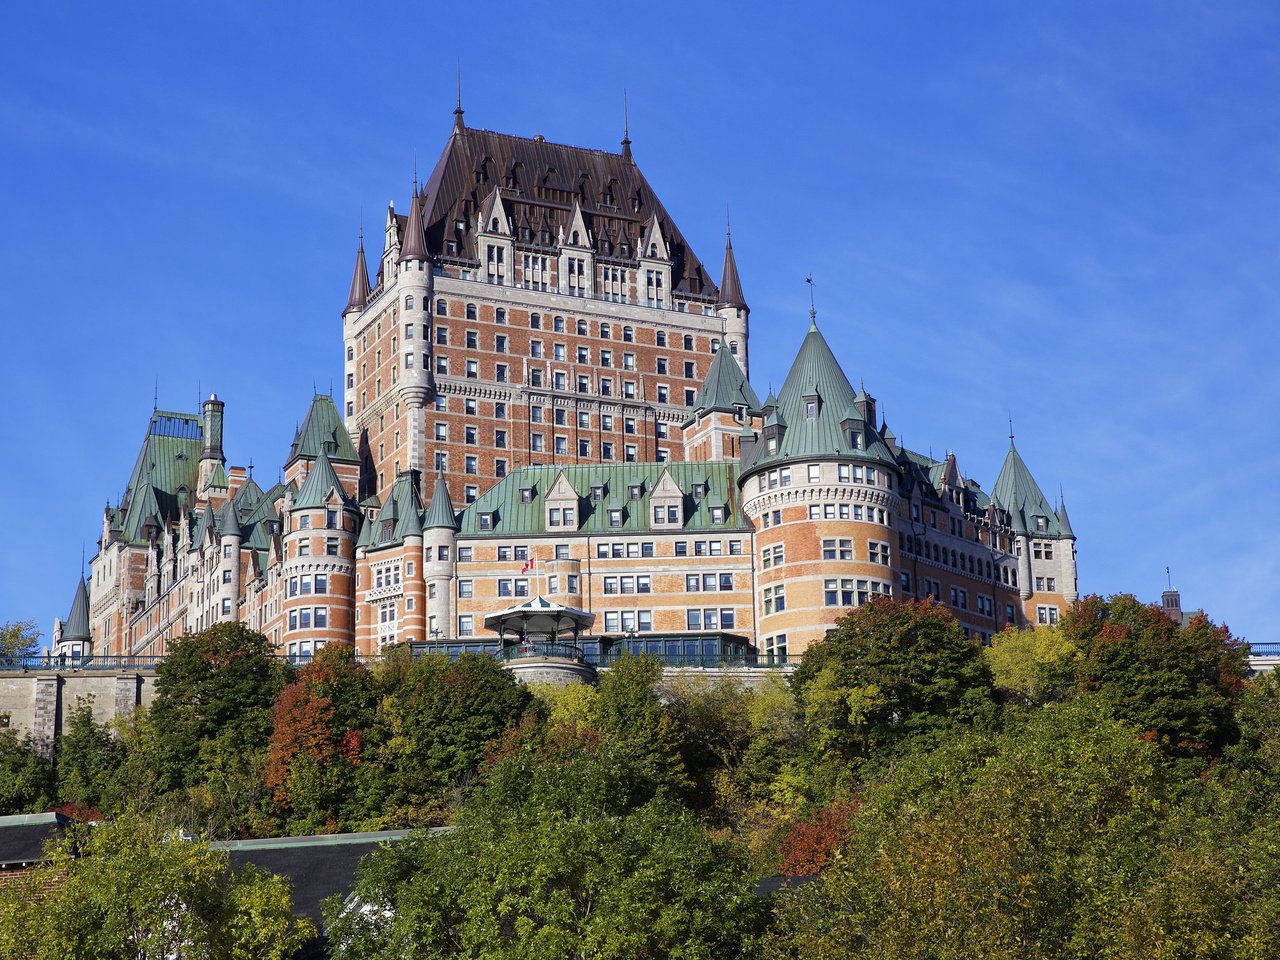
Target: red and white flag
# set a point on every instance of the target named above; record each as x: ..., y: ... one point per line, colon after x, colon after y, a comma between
x: 529, y: 565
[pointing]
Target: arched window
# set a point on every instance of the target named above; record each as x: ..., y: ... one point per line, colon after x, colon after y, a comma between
x: 653, y: 249
x: 408, y: 303
x: 471, y: 311
x: 733, y: 347
x: 688, y: 342
x: 351, y: 353
x: 500, y: 315
x: 494, y: 226
x: 628, y: 335
x: 442, y: 308
x: 605, y: 332
x: 574, y: 239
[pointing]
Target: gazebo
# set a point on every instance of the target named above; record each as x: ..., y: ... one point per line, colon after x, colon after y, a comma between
x: 539, y: 641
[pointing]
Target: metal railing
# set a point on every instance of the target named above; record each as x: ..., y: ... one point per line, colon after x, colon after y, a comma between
x: 95, y: 663
x: 539, y: 650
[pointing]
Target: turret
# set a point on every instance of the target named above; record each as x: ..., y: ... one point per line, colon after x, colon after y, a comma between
x: 211, y: 457
x: 413, y: 288
x: 439, y: 537
x: 724, y: 404
x: 732, y: 308
x: 71, y: 638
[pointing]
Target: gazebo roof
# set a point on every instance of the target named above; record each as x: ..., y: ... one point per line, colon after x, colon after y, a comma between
x: 540, y: 616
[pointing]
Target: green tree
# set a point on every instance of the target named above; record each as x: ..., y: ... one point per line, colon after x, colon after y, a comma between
x: 434, y: 721
x: 1026, y: 846
x: 1177, y: 683
x: 320, y: 722
x: 87, y: 758
x: 26, y: 778
x: 1034, y: 666
x: 892, y: 675
x: 18, y: 639
x: 131, y: 890
x: 210, y: 724
x: 537, y: 883
x: 642, y: 732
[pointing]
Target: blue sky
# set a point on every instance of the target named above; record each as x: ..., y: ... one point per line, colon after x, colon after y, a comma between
x: 1067, y: 212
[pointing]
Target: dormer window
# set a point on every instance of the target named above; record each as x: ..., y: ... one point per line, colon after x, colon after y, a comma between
x: 459, y: 225
x: 1042, y: 524
x: 855, y: 440
x: 699, y: 491
x: 771, y: 445
x: 717, y: 514
x: 388, y: 528
x: 633, y: 491
x: 615, y: 518
x: 486, y: 520
x: 526, y: 494
x: 573, y: 238
x: 597, y: 493
x: 811, y: 409
x: 493, y: 226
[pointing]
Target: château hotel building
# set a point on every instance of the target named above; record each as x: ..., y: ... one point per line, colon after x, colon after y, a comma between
x: 546, y: 394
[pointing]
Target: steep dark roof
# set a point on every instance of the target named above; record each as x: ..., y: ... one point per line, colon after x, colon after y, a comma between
x: 412, y: 243
x: 22, y: 837
x: 77, y: 625
x: 730, y: 285
x: 168, y: 462
x: 540, y: 181
x: 359, y: 282
x: 318, y: 867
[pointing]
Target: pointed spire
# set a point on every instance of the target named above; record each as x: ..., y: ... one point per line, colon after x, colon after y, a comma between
x: 77, y: 623
x: 1063, y: 522
x: 813, y: 310
x: 413, y: 246
x: 626, y: 127
x: 440, y: 513
x: 321, y: 481
x: 458, y: 125
x: 725, y: 389
x: 359, y: 280
x: 730, y: 285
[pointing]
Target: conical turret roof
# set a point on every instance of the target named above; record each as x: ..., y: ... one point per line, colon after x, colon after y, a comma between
x: 413, y: 246
x: 440, y: 514
x: 1064, y: 522
x: 359, y: 283
x: 323, y: 424
x: 725, y: 389
x: 730, y: 285
x: 321, y: 481
x: 77, y: 625
x: 1016, y: 490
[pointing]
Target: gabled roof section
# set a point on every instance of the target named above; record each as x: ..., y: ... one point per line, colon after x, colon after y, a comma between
x: 77, y: 624
x: 725, y: 389
x: 441, y: 513
x: 322, y: 425
x: 321, y: 487
x: 514, y: 516
x: 1016, y: 490
x: 218, y: 479
x: 730, y: 285
x: 615, y: 198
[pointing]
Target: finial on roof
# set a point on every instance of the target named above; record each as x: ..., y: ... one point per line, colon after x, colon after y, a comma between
x: 626, y: 127
x: 813, y: 311
x: 457, y: 110
x: 1011, y: 429
x: 1168, y: 577
x: 155, y: 397
x: 251, y: 468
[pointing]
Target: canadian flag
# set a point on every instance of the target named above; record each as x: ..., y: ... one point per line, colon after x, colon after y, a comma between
x: 529, y: 565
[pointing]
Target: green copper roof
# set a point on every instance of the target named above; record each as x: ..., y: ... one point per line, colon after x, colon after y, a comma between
x: 322, y: 425
x: 77, y: 625
x: 512, y: 515
x: 168, y: 462
x: 218, y: 478
x: 320, y: 483
x: 1016, y: 490
x: 228, y: 520
x: 400, y: 517
x: 441, y: 512
x: 825, y: 429
x: 725, y: 389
